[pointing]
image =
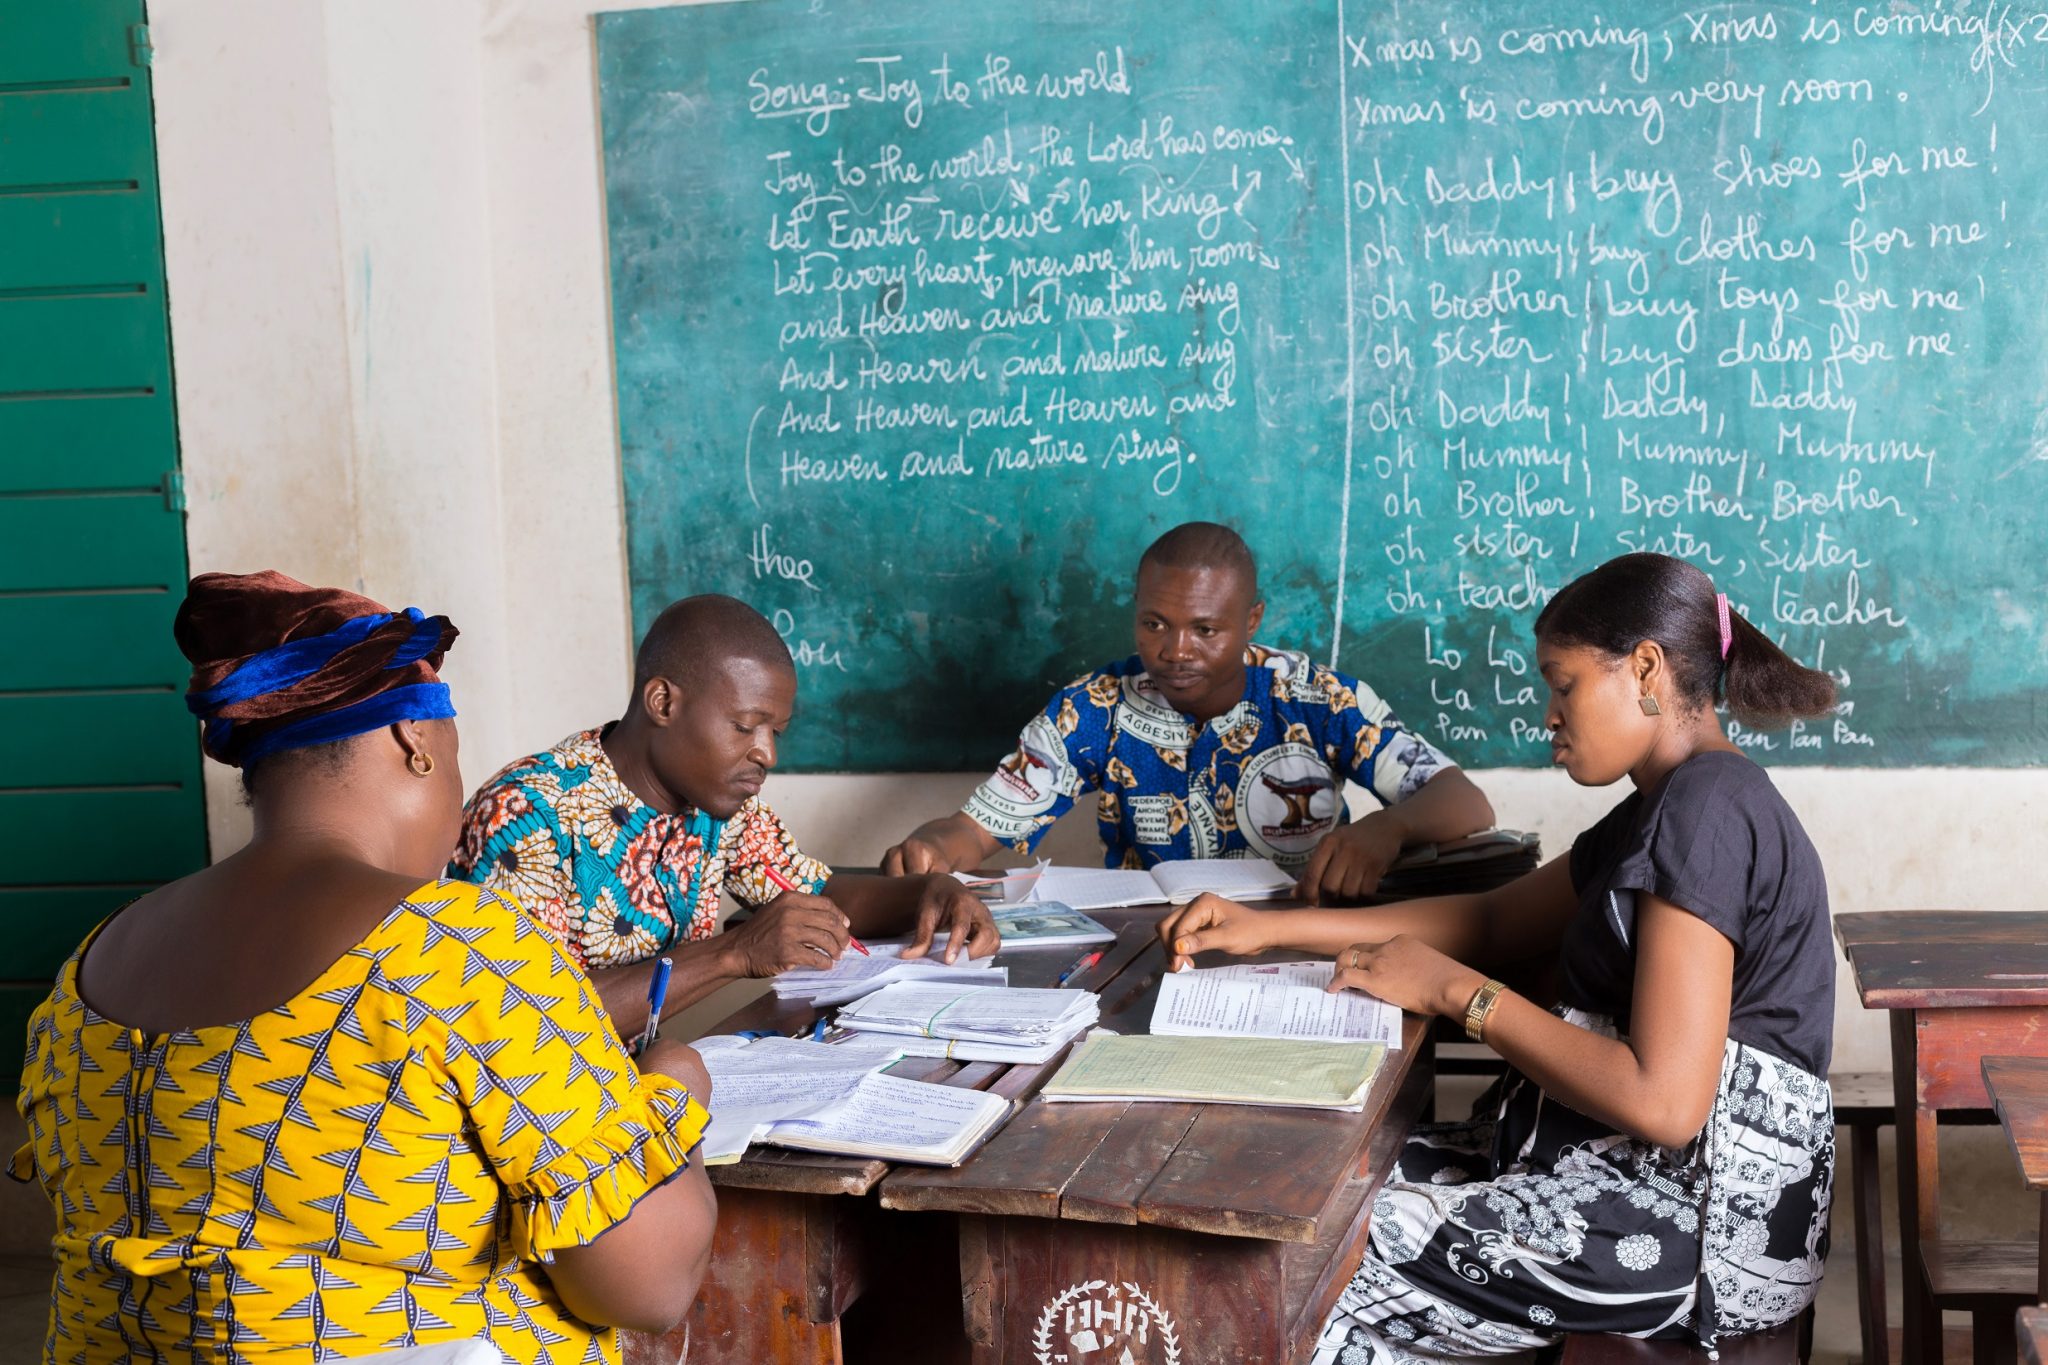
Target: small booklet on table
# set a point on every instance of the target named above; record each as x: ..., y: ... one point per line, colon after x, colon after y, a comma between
x: 1102, y: 888
x: 818, y: 1098
x: 1033, y: 924
x: 1270, y: 1071
x: 1271, y: 1000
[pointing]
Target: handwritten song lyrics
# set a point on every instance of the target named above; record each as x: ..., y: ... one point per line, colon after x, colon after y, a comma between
x: 927, y: 312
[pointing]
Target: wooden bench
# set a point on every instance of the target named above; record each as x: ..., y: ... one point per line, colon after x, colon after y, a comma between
x: 1790, y: 1344
x: 2018, y: 1087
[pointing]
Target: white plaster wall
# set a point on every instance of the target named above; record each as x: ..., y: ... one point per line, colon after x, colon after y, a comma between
x: 385, y: 238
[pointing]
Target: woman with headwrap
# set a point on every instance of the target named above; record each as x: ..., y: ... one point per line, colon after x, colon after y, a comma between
x: 314, y: 1102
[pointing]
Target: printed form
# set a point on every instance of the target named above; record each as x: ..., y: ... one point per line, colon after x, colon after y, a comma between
x: 1271, y: 1000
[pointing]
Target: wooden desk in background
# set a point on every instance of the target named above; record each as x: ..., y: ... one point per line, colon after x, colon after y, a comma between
x: 1166, y: 1197
x: 2018, y: 1087
x: 1961, y: 986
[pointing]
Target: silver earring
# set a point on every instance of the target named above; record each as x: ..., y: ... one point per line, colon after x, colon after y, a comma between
x: 1649, y: 705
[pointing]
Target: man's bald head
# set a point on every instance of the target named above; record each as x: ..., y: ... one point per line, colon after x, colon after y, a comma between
x: 697, y: 635
x: 1205, y: 545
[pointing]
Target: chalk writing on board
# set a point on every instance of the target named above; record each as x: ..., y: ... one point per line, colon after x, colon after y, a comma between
x: 926, y: 320
x: 1656, y: 324
x: 1117, y: 242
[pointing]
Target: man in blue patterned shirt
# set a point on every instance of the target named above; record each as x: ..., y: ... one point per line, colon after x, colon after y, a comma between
x: 1205, y: 745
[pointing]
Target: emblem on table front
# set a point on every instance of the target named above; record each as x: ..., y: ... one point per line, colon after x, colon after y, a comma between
x: 1101, y: 1322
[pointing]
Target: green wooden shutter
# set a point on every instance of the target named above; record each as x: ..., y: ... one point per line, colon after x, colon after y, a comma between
x: 99, y: 762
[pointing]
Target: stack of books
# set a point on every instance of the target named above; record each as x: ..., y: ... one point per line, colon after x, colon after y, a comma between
x: 1478, y: 862
x: 972, y: 1023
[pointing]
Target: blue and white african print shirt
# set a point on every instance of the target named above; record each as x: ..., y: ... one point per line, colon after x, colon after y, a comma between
x: 1263, y: 780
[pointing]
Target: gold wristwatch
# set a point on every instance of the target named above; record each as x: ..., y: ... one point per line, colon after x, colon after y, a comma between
x: 1481, y: 1009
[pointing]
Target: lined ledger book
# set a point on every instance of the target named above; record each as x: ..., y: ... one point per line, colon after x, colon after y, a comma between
x: 1106, y: 1067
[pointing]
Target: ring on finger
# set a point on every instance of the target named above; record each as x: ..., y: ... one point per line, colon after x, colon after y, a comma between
x: 1354, y: 959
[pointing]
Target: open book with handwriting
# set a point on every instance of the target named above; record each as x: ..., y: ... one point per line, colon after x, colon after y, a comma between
x: 817, y: 1098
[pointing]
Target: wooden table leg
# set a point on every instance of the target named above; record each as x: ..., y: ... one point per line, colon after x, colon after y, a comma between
x: 1919, y: 1191
x: 783, y: 1267
x: 2041, y: 1274
x: 1869, y: 1195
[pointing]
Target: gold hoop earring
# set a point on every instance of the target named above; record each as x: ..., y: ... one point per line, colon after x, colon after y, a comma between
x: 1649, y: 705
x: 421, y: 763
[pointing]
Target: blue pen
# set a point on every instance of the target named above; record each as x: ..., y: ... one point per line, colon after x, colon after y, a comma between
x: 657, y: 996
x: 1086, y: 961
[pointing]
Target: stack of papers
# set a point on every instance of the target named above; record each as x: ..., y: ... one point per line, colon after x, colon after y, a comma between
x: 974, y: 1023
x: 1107, y: 1068
x: 853, y: 976
x: 1271, y: 1000
x: 1096, y: 888
x: 830, y: 1099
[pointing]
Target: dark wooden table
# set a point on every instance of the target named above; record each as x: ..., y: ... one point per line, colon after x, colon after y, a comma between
x: 1961, y: 985
x: 2018, y: 1087
x: 1178, y: 1231
x: 1158, y: 1206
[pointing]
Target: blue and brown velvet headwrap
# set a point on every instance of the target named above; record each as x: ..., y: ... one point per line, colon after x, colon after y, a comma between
x: 279, y: 665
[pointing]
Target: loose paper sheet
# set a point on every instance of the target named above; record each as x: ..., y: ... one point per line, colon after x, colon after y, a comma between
x: 854, y: 976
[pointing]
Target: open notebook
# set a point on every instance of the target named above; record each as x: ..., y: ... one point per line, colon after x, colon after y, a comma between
x: 1271, y: 1000
x: 817, y: 1098
x: 1099, y: 888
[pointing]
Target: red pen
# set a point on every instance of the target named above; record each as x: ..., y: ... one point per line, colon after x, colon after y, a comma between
x: 783, y: 882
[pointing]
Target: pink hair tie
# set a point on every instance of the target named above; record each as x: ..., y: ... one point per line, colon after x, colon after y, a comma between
x: 1727, y: 631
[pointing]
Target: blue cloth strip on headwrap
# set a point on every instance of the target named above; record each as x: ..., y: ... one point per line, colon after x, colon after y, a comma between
x: 293, y: 662
x: 418, y: 701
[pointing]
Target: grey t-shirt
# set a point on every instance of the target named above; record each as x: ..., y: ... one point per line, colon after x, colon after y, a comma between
x: 1716, y: 840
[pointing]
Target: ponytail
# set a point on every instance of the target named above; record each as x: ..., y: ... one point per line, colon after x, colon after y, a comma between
x: 1642, y: 597
x: 1765, y: 687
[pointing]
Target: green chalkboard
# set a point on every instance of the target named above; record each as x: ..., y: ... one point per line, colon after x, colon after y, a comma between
x: 930, y: 315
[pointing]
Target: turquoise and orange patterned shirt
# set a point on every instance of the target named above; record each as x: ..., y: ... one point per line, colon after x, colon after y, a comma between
x: 1263, y: 780
x: 614, y: 878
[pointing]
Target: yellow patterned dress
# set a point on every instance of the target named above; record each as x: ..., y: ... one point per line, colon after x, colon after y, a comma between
x: 379, y: 1162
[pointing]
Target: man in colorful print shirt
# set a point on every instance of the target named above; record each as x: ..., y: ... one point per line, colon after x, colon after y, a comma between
x: 620, y: 839
x: 1205, y: 745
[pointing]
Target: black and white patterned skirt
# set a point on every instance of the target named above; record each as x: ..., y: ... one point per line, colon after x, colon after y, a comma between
x: 1500, y: 1235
